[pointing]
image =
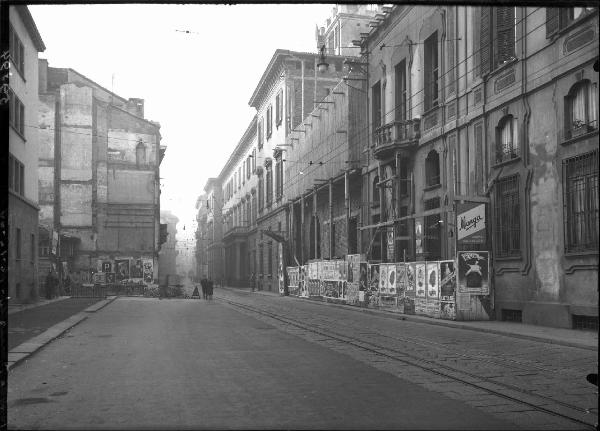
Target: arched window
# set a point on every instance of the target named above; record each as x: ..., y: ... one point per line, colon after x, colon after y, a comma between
x: 376, y: 190
x: 432, y: 169
x: 507, y: 139
x: 580, y: 109
x: 140, y: 153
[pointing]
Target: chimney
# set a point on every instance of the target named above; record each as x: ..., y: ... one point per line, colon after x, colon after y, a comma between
x: 43, y: 76
x: 136, y: 106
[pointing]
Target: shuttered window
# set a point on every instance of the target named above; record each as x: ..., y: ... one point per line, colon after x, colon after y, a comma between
x: 559, y: 18
x: 260, y: 132
x: 376, y: 111
x: 507, y: 217
x: 430, y: 63
x: 400, y: 73
x: 485, y: 40
x: 497, y: 37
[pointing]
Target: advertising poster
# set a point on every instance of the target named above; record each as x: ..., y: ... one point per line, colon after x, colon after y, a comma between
x: 352, y: 292
x: 122, y: 269
x: 420, y: 306
x: 418, y: 236
x: 409, y: 305
x: 410, y: 279
x: 341, y: 269
x: 432, y: 308
x: 391, y: 277
x: 420, y: 282
x: 148, y: 270
x: 314, y: 288
x: 447, y: 280
x: 137, y: 269
x: 374, y: 277
x: 99, y: 278
x: 302, y: 287
x: 447, y: 310
x: 400, y: 279
x: 293, y: 273
x: 280, y: 270
x: 364, y: 277
x: 106, y: 266
x: 433, y: 281
x: 383, y: 279
x: 390, y: 244
x: 110, y: 277
x: 470, y: 223
x: 473, y: 272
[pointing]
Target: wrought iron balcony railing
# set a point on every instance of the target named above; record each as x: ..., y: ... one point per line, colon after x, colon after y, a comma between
x: 401, y: 134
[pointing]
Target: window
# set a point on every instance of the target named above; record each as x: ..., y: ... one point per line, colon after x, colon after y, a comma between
x: 16, y: 113
x: 404, y: 177
x: 261, y: 259
x: 432, y: 230
x: 375, y: 190
x: 352, y: 235
x: 278, y: 108
x: 559, y: 18
x: 497, y: 37
x: 254, y: 209
x: 430, y: 77
x: 581, y: 202
x: 376, y: 92
x: 261, y: 191
x: 270, y: 258
x: 432, y: 169
x: 18, y: 244
x: 508, y: 224
x: 336, y: 40
x: 16, y: 175
x: 243, y: 172
x: 580, y: 109
x: 254, y: 160
x: 279, y: 178
x: 240, y: 178
x: 248, y: 166
x: 261, y: 129
x: 269, y: 121
x: 507, y: 139
x: 400, y: 74
x: 269, y: 186
x: 140, y: 154
x: 17, y: 52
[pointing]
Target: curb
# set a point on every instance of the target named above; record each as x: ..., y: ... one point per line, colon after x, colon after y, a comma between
x: 446, y: 323
x: 34, y: 305
x: 24, y: 350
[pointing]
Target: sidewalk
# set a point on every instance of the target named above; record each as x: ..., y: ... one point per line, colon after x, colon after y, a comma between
x: 561, y: 336
x: 15, y: 308
x: 35, y: 325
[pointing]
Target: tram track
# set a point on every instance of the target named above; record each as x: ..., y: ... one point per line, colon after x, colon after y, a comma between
x: 535, y: 401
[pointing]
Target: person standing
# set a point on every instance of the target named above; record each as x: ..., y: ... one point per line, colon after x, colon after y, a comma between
x: 253, y: 281
x: 210, y: 288
x: 49, y: 285
x: 203, y: 284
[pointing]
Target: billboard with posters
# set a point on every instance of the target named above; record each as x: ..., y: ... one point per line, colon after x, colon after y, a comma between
x: 353, y: 278
x: 110, y: 277
x: 106, y: 266
x: 473, y: 272
x: 363, y: 282
x: 280, y: 270
x: 401, y: 279
x: 313, y: 287
x: 447, y: 280
x: 373, y: 278
x: 433, y: 280
x: 470, y: 223
x: 293, y: 273
x: 392, y: 280
x: 148, y: 270
x: 122, y: 269
x: 420, y: 282
x: 137, y: 269
x: 302, y: 282
x: 383, y: 287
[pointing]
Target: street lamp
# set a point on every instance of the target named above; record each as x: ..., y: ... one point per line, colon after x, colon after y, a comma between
x: 322, y: 65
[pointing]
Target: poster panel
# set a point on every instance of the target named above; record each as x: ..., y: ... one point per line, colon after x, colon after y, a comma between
x: 447, y: 280
x: 420, y: 282
x: 470, y: 223
x: 383, y: 288
x: 99, y: 278
x: 473, y: 272
x: 411, y: 279
x: 409, y: 305
x: 374, y: 278
x: 447, y: 310
x: 106, y: 266
x: 137, y: 269
x: 110, y: 277
x: 391, y: 277
x: 420, y: 306
x: 363, y: 282
x: 432, y: 308
x: 330, y: 288
x: 280, y: 273
x: 122, y: 269
x: 401, y: 279
x: 148, y: 270
x: 293, y: 273
x: 433, y: 275
x: 302, y: 282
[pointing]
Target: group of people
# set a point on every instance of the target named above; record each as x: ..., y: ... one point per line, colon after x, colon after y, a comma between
x: 207, y: 288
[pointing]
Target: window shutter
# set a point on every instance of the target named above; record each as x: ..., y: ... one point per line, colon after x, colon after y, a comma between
x: 485, y: 28
x: 505, y: 34
x: 552, y: 15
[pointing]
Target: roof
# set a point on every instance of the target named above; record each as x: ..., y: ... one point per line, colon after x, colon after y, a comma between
x: 31, y: 27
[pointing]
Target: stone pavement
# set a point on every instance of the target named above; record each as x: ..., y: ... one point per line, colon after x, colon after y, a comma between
x: 31, y: 328
x: 564, y: 337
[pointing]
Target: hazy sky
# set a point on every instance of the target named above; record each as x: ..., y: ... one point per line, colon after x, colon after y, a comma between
x: 197, y: 84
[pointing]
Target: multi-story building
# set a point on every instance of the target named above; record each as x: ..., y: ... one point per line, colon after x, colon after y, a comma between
x: 240, y: 208
x: 167, y: 256
x: 494, y: 106
x: 99, y: 178
x: 201, y: 251
x: 214, y: 231
x: 21, y: 93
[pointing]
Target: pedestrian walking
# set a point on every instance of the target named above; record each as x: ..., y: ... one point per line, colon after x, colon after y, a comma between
x: 203, y: 284
x: 50, y: 283
x: 210, y: 288
x: 253, y: 281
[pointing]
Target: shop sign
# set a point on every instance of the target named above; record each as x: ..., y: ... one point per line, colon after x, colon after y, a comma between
x: 470, y: 223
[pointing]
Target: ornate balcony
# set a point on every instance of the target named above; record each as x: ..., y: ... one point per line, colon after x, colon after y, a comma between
x: 397, y: 135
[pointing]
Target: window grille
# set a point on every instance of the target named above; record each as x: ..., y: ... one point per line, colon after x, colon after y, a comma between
x: 585, y: 322
x: 512, y: 315
x: 580, y: 109
x: 507, y: 217
x: 507, y: 139
x: 581, y: 202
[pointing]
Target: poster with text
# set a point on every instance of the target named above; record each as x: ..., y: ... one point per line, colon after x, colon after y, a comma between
x: 433, y: 280
x: 383, y: 278
x: 374, y: 277
x: 420, y: 282
x: 302, y: 282
x: 122, y: 267
x: 293, y: 273
x: 473, y: 272
x: 391, y: 277
x: 99, y: 278
x: 432, y: 308
x: 148, y: 270
x: 447, y: 310
x: 401, y: 279
x: 280, y: 270
x: 447, y: 280
x: 421, y: 306
x: 409, y: 305
x: 363, y: 282
x: 106, y: 266
x: 137, y: 269
x: 411, y: 279
x: 330, y: 288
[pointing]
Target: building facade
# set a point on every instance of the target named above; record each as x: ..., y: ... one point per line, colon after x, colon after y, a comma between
x: 23, y: 206
x: 214, y: 231
x: 167, y: 256
x: 201, y: 235
x: 99, y: 179
x: 493, y: 106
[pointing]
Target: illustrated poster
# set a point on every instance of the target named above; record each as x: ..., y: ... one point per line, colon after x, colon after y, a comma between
x: 373, y: 277
x: 122, y: 267
x: 447, y: 280
x: 148, y: 270
x: 392, y: 280
x: 420, y: 282
x: 410, y: 279
x: 383, y: 288
x: 401, y: 279
x: 473, y: 272
x: 137, y: 269
x: 433, y: 280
